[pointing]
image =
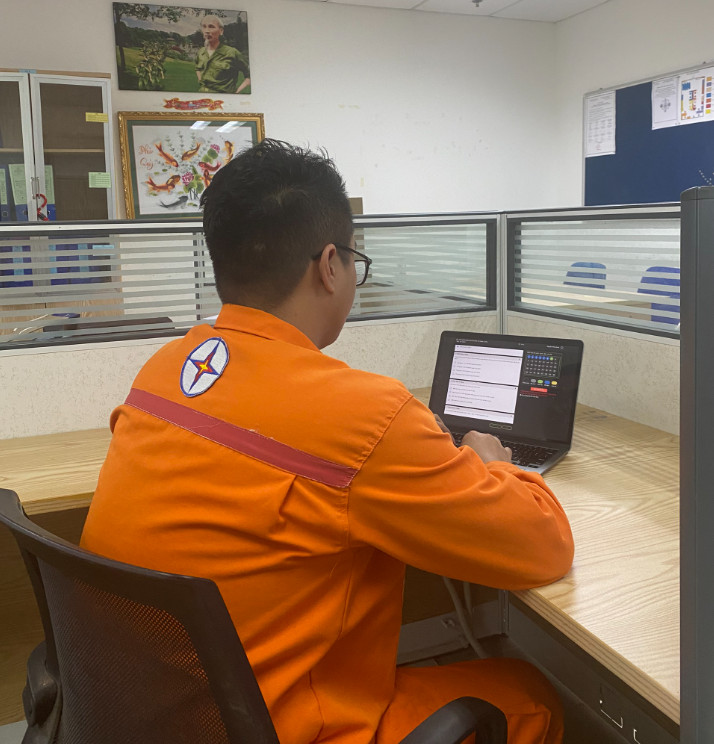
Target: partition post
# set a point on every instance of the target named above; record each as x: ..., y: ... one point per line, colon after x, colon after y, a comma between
x: 696, y: 459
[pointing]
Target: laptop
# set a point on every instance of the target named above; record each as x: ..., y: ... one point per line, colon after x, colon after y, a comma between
x: 521, y: 389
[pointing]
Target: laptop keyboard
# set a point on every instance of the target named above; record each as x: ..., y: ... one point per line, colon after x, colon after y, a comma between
x: 525, y: 455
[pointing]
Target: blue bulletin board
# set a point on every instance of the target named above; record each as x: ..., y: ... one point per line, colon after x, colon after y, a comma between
x: 649, y: 165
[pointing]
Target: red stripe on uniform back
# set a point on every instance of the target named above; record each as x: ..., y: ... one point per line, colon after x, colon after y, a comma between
x: 242, y: 440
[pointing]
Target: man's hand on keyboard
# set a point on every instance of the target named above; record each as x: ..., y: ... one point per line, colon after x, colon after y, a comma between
x: 487, y: 447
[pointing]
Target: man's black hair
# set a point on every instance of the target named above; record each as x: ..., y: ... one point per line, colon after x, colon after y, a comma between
x: 266, y: 213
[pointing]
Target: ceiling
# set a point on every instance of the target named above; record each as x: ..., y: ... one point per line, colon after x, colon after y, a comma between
x: 524, y: 10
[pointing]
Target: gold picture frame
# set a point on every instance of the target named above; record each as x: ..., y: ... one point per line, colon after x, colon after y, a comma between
x: 168, y: 157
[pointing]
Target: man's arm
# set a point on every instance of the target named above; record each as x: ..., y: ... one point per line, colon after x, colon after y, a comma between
x: 239, y: 64
x: 442, y: 509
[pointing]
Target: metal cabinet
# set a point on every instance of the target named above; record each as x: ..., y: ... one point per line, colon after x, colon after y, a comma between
x: 56, y: 159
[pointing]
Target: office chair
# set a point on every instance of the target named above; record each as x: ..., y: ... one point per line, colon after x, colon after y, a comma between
x: 598, y: 276
x: 654, y: 276
x: 135, y: 655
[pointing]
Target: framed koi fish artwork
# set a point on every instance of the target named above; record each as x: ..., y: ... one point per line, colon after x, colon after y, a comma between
x: 168, y: 158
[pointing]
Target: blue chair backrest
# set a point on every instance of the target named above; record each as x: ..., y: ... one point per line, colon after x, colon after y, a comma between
x: 579, y: 274
x: 662, y: 281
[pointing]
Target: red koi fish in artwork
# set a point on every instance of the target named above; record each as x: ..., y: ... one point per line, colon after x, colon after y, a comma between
x: 165, y: 155
x: 206, y: 178
x: 208, y: 167
x: 170, y: 184
x: 190, y: 153
x: 196, y: 103
x: 229, y: 151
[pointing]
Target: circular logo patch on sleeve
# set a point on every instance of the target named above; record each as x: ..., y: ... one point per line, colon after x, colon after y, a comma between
x: 203, y: 366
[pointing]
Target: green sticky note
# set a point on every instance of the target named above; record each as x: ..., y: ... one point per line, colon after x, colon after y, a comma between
x: 96, y: 117
x: 3, y: 187
x: 49, y: 185
x: 17, y: 181
x: 99, y: 180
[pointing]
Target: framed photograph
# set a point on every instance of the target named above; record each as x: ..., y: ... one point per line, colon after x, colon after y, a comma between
x: 168, y: 158
x: 165, y: 47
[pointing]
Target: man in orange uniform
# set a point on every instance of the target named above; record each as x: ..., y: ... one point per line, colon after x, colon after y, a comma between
x: 302, y: 487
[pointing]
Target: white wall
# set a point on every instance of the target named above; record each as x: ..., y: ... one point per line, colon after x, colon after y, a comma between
x: 617, y: 43
x: 422, y: 112
x: 45, y: 391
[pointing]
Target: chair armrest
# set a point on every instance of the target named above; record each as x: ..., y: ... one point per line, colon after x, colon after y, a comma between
x: 453, y: 722
x: 41, y: 699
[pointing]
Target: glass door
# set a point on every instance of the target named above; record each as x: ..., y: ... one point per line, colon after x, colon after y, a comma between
x: 73, y: 147
x: 17, y: 167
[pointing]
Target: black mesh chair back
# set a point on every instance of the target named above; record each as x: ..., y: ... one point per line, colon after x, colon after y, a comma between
x: 133, y: 656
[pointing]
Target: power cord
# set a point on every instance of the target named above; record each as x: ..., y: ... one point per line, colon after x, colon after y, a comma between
x: 463, y: 616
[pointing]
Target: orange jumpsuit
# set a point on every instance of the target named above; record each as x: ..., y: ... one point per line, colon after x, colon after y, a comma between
x: 302, y: 487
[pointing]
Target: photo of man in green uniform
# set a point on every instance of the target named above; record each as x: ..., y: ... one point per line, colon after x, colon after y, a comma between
x: 218, y: 65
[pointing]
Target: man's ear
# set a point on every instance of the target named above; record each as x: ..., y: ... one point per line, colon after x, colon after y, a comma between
x: 326, y: 267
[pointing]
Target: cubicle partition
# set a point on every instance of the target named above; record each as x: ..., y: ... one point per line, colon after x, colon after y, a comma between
x: 66, y: 283
x: 99, y: 281
x: 92, y: 301
x: 610, y: 268
x: 615, y: 268
x: 696, y: 451
x: 609, y: 277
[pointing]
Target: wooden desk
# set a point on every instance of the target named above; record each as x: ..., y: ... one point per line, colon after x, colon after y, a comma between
x: 54, y: 472
x: 620, y: 603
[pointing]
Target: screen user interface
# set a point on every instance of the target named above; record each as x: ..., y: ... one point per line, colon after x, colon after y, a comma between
x: 525, y: 387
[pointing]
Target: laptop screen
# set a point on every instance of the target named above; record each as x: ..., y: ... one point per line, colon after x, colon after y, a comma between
x: 512, y: 386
